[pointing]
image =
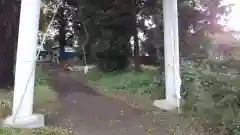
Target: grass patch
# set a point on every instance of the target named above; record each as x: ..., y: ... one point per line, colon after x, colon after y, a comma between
x: 189, y: 126
x: 44, y: 94
x: 45, y: 101
x: 138, y: 89
x: 147, y: 83
x: 45, y: 98
x: 42, y: 131
x: 132, y: 83
x: 6, y: 103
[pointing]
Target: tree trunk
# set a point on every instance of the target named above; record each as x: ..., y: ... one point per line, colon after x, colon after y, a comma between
x: 62, y: 31
x: 137, y: 64
x: 9, y: 14
x: 136, y: 53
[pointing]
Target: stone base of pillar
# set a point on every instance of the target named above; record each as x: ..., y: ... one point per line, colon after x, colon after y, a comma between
x: 165, y: 104
x: 34, y: 121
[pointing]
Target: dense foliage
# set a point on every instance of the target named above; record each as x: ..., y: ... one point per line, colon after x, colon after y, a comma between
x: 111, y: 24
x: 212, y: 95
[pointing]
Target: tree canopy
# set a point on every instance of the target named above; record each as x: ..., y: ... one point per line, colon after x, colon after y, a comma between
x: 109, y: 29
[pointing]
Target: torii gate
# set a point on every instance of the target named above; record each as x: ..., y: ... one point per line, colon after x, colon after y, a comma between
x: 171, y: 56
x: 22, y: 111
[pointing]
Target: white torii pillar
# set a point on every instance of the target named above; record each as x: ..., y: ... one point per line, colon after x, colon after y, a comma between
x: 171, y: 55
x: 22, y: 112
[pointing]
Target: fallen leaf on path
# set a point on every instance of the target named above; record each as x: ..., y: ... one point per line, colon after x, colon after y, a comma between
x: 149, y: 131
x: 122, y: 113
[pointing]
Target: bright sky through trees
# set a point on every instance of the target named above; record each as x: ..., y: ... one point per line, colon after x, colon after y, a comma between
x: 234, y: 18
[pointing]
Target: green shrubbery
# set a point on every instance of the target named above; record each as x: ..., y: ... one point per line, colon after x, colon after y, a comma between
x: 212, y: 96
x: 210, y: 93
x: 129, y: 82
x: 114, y: 52
x: 112, y: 59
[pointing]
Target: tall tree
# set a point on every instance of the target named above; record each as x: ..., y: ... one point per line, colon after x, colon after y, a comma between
x: 9, y: 14
x: 137, y: 63
x: 62, y: 28
x: 196, y: 18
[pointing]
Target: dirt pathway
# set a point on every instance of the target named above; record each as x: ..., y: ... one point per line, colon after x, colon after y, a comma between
x: 88, y: 113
